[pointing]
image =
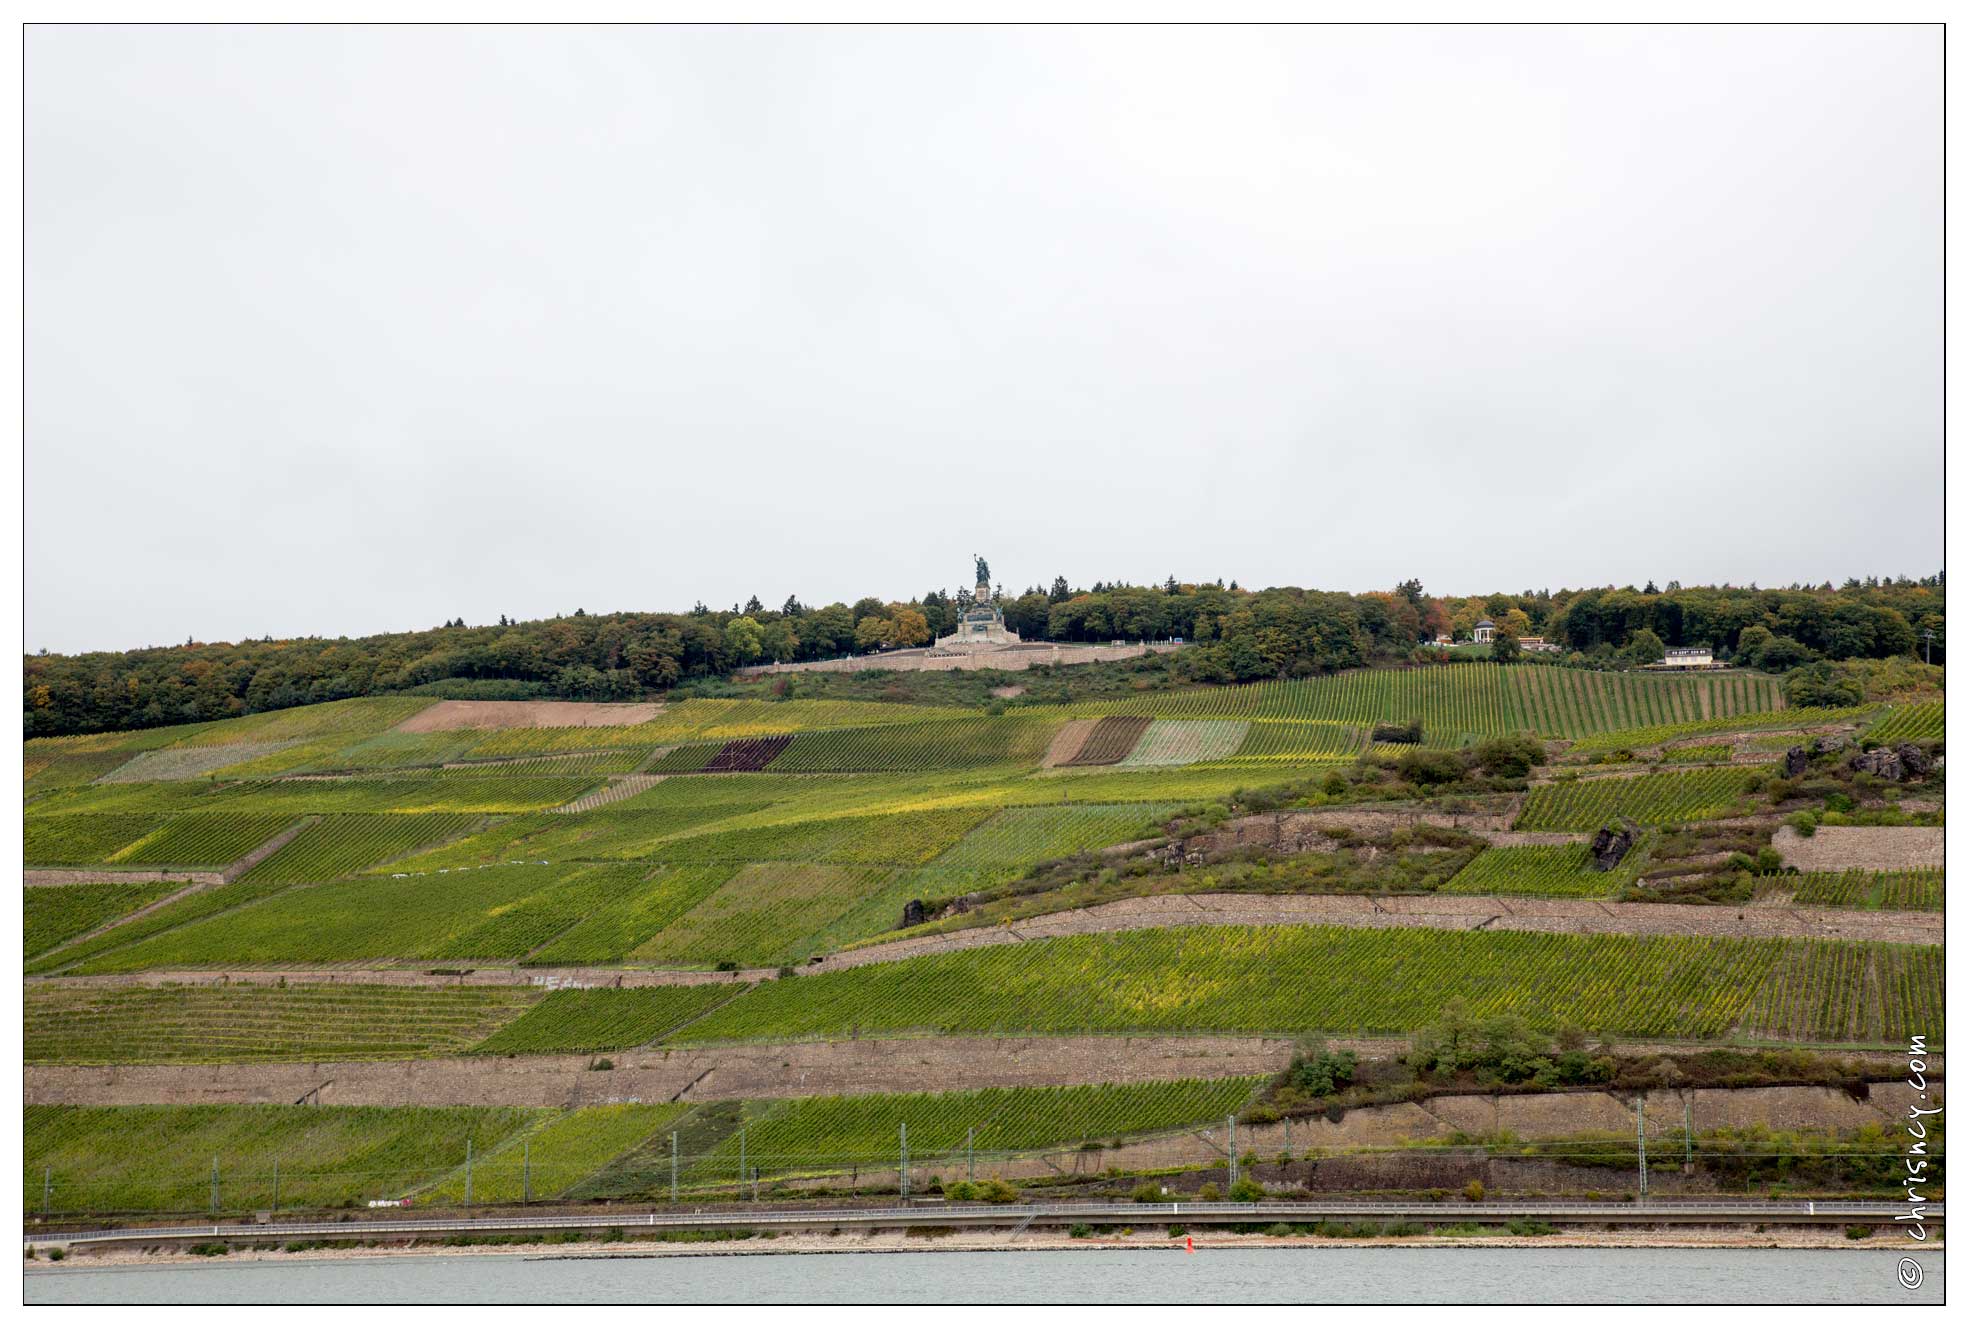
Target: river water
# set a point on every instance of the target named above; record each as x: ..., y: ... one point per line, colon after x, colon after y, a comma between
x: 1330, y: 1274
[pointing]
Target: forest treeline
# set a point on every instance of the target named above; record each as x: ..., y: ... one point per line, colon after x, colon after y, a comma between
x: 1237, y: 635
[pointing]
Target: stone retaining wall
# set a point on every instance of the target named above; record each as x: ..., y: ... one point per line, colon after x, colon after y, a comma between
x: 865, y: 1066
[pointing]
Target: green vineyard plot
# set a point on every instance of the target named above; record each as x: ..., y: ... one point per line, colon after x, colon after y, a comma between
x: 1922, y: 720
x: 1651, y: 735
x: 1291, y: 740
x: 1303, y: 979
x: 948, y: 744
x: 1473, y: 699
x: 83, y: 839
x: 633, y: 916
x: 162, y: 1160
x: 110, y: 951
x: 1184, y: 742
x: 498, y: 914
x: 190, y: 763
x: 1663, y: 799
x: 808, y: 1135
x: 1845, y: 991
x: 1552, y: 870
x: 550, y: 1160
x: 54, y: 914
x: 1021, y: 837
x: 198, y: 840
x: 1918, y: 889
x: 338, y: 846
x: 606, y: 1019
x: 335, y: 1022
x: 763, y: 914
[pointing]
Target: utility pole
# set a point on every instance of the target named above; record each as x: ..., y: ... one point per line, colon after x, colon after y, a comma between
x: 468, y: 1172
x: 1641, y: 1144
x: 1927, y: 645
x: 1288, y: 1137
x: 673, y: 1167
x: 1688, y: 1137
x: 904, y: 1128
x: 526, y: 1171
x: 215, y: 1183
x: 1230, y: 1124
x: 741, y: 1157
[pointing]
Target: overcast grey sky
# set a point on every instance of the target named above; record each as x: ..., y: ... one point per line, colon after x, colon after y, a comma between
x: 354, y: 330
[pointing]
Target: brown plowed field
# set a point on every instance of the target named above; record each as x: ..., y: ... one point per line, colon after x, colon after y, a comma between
x: 1066, y: 743
x: 748, y: 754
x: 1111, y: 739
x: 528, y: 715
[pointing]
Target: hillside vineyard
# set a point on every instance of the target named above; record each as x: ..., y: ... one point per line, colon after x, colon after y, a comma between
x: 502, y: 952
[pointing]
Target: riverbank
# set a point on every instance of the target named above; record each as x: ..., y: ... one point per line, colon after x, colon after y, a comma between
x: 892, y: 1242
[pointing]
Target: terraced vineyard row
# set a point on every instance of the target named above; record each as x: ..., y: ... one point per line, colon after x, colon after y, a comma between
x: 1922, y: 720
x: 1284, y: 741
x: 1696, y: 754
x: 501, y: 913
x: 92, y: 1026
x: 944, y: 744
x: 763, y: 914
x: 554, y: 1158
x: 1551, y: 870
x: 158, y: 1160
x: 808, y: 1135
x: 1918, y: 889
x: 1648, y: 736
x: 205, y: 902
x: 198, y: 840
x: 78, y: 840
x: 1302, y: 979
x: 1664, y: 799
x: 161, y: 1160
x: 53, y: 914
x: 340, y: 845
x: 1471, y: 699
x: 420, y: 793
x: 1276, y: 980
x: 1020, y: 837
x: 189, y: 763
x: 707, y: 720
x: 1844, y: 991
x: 605, y: 1019
x: 1181, y: 742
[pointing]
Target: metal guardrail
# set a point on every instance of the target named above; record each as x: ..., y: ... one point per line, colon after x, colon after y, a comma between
x: 1104, y: 1212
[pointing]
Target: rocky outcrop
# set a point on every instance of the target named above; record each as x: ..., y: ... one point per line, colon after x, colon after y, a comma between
x: 1903, y: 761
x: 1610, y: 846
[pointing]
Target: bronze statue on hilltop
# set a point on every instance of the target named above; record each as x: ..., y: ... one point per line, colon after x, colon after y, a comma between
x: 984, y: 570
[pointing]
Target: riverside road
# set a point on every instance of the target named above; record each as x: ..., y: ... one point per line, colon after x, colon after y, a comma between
x: 1019, y: 1217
